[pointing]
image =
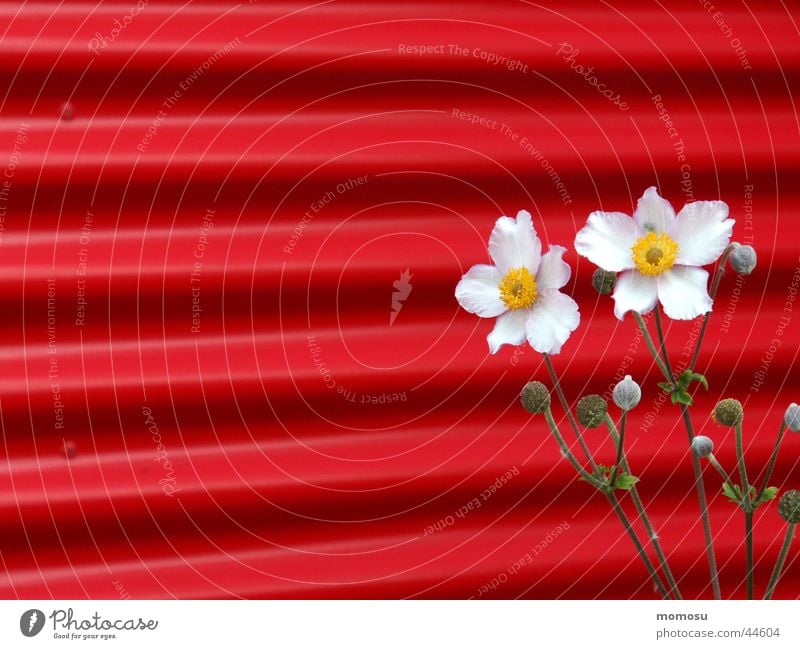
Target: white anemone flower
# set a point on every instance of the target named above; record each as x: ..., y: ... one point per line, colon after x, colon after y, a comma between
x: 658, y: 254
x: 521, y: 289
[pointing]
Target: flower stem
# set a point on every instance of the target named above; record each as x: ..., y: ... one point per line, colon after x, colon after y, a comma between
x: 715, y: 463
x: 564, y: 404
x: 548, y: 415
x: 637, y: 544
x: 651, y: 346
x: 637, y: 501
x: 718, y: 274
x: 772, y: 459
x: 748, y: 537
x: 746, y: 503
x: 747, y: 506
x: 701, y: 499
x: 776, y: 573
x: 698, y: 472
x: 620, y: 442
x: 662, y: 341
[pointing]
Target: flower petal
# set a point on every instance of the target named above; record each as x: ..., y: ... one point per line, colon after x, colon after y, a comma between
x: 634, y: 292
x: 514, y: 244
x: 477, y: 292
x: 683, y: 292
x: 553, y: 272
x: 702, y: 232
x: 606, y: 240
x: 553, y: 317
x: 508, y: 330
x: 653, y: 212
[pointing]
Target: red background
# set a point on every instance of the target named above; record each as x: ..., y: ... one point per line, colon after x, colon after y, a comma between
x: 284, y: 487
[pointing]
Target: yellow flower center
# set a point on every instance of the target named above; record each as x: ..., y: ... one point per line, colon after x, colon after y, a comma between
x: 654, y: 253
x: 518, y: 289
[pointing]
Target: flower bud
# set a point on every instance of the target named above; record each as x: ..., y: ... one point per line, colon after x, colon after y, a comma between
x: 789, y: 506
x: 592, y: 410
x: 603, y: 281
x: 792, y: 418
x: 627, y: 394
x: 535, y: 397
x: 728, y: 412
x: 743, y: 260
x: 702, y: 446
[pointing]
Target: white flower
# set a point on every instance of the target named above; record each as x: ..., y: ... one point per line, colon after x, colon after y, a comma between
x: 658, y: 254
x: 521, y: 289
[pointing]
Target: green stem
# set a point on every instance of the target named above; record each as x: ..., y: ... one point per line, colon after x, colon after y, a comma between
x: 651, y: 346
x: 662, y: 341
x: 611, y: 498
x: 772, y: 460
x: 746, y: 502
x: 747, y: 506
x: 637, y: 501
x: 776, y: 573
x: 718, y: 274
x: 548, y: 415
x: 565, y: 405
x: 715, y: 463
x: 620, y: 442
x: 748, y: 536
x: 701, y: 498
x: 637, y: 544
x: 698, y: 472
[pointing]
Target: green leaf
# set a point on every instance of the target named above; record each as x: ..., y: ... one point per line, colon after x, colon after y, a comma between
x: 683, y: 397
x: 625, y: 481
x: 769, y: 494
x: 683, y: 383
x: 667, y: 387
x: 732, y: 492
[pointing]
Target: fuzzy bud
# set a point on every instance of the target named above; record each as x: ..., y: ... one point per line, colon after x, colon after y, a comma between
x: 535, y: 397
x: 743, y: 260
x: 603, y: 281
x: 792, y: 418
x: 728, y: 412
x: 627, y: 394
x: 702, y: 446
x: 789, y: 506
x: 592, y: 410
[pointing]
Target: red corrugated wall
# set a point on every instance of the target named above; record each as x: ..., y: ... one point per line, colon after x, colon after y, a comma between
x: 204, y: 210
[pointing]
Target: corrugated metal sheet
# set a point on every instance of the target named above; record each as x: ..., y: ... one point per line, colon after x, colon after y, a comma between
x: 205, y: 392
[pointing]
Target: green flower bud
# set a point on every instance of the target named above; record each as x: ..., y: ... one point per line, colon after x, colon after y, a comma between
x: 792, y: 418
x: 535, y: 397
x: 603, y: 281
x: 702, y: 446
x: 592, y: 410
x: 728, y: 412
x: 627, y: 394
x: 743, y: 260
x: 789, y: 506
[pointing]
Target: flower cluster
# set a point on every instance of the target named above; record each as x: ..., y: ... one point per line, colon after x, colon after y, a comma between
x: 651, y: 261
